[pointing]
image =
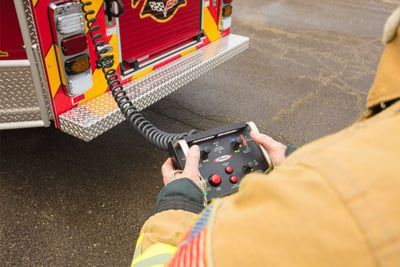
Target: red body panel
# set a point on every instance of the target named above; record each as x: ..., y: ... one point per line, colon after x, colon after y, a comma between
x: 11, y: 42
x: 214, y: 9
x: 146, y: 30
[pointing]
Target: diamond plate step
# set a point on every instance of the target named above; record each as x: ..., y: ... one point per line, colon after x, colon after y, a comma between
x: 101, y: 113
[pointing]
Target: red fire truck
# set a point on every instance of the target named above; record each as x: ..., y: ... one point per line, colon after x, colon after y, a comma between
x: 61, y: 59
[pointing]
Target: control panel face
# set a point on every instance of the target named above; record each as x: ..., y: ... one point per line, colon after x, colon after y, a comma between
x: 227, y: 154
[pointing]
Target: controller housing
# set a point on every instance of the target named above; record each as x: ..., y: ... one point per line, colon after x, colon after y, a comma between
x: 227, y: 154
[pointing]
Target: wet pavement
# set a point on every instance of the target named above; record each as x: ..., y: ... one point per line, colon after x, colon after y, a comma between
x: 306, y: 74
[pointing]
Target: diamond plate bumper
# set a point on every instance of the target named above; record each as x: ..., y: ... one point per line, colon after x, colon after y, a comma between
x: 102, y: 113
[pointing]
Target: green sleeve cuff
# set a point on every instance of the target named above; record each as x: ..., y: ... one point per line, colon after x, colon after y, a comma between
x: 290, y: 149
x: 182, y: 194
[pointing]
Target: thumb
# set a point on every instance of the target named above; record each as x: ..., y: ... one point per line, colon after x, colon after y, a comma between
x: 275, y: 148
x: 193, y: 158
x: 262, y: 139
x: 191, y: 169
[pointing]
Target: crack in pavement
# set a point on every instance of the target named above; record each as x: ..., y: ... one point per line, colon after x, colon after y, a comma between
x: 292, y: 107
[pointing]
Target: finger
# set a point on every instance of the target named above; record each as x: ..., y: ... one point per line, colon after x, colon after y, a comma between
x: 193, y: 158
x: 167, y: 167
x: 263, y: 139
x: 167, y: 170
x: 191, y: 169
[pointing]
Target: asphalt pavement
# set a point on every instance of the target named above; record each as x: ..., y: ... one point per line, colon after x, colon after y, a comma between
x: 306, y: 75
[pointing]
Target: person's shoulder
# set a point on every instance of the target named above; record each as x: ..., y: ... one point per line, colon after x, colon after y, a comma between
x: 391, y: 26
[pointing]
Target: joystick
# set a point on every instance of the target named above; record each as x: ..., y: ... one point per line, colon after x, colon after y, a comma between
x: 204, y: 152
x: 236, y: 142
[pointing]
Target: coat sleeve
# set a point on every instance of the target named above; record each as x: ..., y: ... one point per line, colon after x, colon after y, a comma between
x: 177, y: 208
x: 290, y: 217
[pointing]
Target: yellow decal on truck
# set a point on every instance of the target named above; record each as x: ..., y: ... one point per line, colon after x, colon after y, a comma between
x: 135, y: 3
x: 160, y: 10
x: 210, y: 26
x: 52, y: 70
x: 3, y: 53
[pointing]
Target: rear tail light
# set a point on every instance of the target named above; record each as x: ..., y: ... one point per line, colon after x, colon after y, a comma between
x: 77, y: 64
x: 74, y: 45
x: 77, y: 82
x: 70, y: 35
x: 227, y: 11
x: 70, y: 23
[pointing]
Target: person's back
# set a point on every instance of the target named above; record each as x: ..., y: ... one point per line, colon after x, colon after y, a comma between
x: 334, y: 202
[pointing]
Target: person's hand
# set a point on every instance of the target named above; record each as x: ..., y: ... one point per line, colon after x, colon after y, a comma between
x: 190, y: 171
x: 276, y: 149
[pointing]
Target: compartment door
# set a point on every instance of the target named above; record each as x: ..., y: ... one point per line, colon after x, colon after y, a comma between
x: 151, y: 29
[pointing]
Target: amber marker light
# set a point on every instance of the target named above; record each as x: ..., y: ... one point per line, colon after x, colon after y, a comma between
x: 77, y: 64
x: 227, y: 11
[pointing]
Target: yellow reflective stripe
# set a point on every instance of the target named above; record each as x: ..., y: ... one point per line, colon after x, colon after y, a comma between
x: 158, y: 260
x: 138, y: 248
x: 142, y: 73
x: 156, y: 255
x: 187, y: 52
x: 210, y: 26
x: 95, y: 5
x: 52, y: 70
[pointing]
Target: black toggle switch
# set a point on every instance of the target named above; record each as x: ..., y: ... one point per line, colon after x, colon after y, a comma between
x: 204, y: 152
x: 248, y: 167
x: 235, y: 144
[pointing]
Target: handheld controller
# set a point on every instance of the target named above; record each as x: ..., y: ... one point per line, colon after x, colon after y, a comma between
x: 227, y: 154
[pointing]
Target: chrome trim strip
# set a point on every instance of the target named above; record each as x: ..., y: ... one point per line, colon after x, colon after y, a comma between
x: 15, y: 63
x: 20, y: 125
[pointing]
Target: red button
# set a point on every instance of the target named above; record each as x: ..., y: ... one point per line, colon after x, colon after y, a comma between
x: 215, y: 179
x: 229, y: 170
x: 233, y: 179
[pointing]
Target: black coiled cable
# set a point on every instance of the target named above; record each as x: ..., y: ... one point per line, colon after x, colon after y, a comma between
x: 105, y: 62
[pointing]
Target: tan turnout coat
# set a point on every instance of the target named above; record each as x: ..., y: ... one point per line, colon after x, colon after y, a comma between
x: 334, y: 202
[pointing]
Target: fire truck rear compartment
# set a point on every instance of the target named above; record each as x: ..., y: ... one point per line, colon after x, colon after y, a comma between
x: 148, y: 33
x: 32, y: 90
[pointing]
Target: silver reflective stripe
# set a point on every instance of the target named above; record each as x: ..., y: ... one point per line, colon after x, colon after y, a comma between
x: 138, y: 251
x: 155, y: 260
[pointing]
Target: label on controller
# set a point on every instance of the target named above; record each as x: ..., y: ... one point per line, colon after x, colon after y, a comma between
x: 227, y: 154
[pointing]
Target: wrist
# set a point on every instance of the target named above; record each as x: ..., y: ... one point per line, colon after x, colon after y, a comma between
x: 180, y: 194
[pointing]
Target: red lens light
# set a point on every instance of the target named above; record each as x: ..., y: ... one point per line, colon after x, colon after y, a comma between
x: 227, y: 1
x: 74, y: 45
